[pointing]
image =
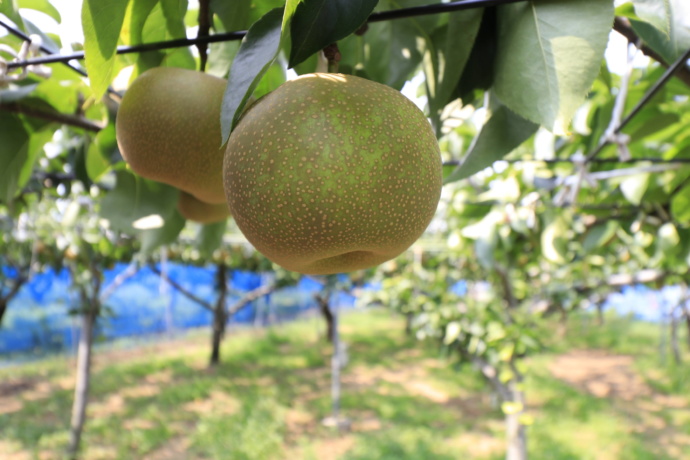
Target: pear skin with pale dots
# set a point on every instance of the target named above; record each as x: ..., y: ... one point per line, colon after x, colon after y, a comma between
x: 199, y: 211
x: 168, y: 130
x: 332, y: 173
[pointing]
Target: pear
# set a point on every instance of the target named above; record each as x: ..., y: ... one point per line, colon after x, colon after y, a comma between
x: 168, y: 130
x: 196, y: 210
x: 332, y: 173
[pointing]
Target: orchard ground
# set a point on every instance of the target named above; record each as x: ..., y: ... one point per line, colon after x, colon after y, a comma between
x: 598, y: 392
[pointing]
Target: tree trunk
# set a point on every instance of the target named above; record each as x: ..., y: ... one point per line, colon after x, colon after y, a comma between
x: 220, y: 316
x: 81, y: 390
x: 515, y: 430
x: 600, y: 313
x: 687, y: 323
x: 674, y: 338
x: 327, y: 315
x: 516, y: 436
x: 5, y: 300
x: 409, y: 317
x: 562, y: 321
x: 336, y: 363
x: 3, y: 308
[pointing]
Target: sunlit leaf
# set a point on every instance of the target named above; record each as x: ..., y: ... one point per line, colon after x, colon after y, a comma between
x: 599, y: 235
x: 15, y: 93
x: 634, y: 187
x: 134, y: 198
x: 210, y: 237
x: 168, y: 233
x: 318, y: 23
x: 499, y: 136
x: 14, y: 145
x: 454, y: 42
x: 44, y: 6
x: 256, y: 54
x: 101, y: 22
x: 553, y: 240
x: 655, y: 12
x: 672, y: 44
x: 549, y: 54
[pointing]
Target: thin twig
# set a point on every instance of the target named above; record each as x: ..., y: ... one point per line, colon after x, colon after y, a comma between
x: 623, y: 27
x: 238, y: 35
x: 204, y: 29
x: 185, y: 292
x: 119, y: 280
x: 57, y: 117
x: 18, y: 33
x: 250, y: 297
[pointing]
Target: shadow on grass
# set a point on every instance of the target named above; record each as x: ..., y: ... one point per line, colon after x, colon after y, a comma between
x: 403, y: 444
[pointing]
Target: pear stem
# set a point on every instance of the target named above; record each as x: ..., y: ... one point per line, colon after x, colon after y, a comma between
x: 333, y: 56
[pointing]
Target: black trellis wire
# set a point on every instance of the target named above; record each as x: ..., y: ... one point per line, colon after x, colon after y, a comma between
x: 238, y: 35
x: 18, y: 33
x: 375, y: 17
x: 592, y: 161
x: 642, y: 102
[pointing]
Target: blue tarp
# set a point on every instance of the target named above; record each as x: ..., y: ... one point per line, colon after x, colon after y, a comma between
x: 38, y: 318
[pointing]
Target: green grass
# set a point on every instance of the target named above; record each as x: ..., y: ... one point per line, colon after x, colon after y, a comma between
x: 267, y: 399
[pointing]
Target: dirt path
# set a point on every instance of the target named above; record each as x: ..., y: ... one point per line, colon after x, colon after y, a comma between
x: 610, y: 376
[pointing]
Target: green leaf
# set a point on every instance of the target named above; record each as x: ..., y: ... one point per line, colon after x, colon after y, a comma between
x: 453, y: 331
x: 210, y: 237
x: 499, y: 136
x: 553, y: 241
x: 99, y: 152
x: 14, y: 146
x: 10, y: 9
x: 389, y: 52
x: 153, y: 21
x: 680, y: 206
x: 599, y: 235
x: 318, y: 23
x: 272, y: 79
x: 656, y: 13
x: 229, y: 16
x: 479, y: 71
x: 454, y: 42
x: 672, y: 44
x: 48, y: 42
x: 233, y: 15
x: 174, y: 12
x: 62, y: 97
x: 133, y: 199
x: 34, y: 150
x: 256, y: 54
x: 168, y: 233
x: 44, y: 6
x: 549, y: 55
x: 667, y: 238
x: 101, y: 21
x: 634, y: 187
x: 138, y: 13
x: 15, y: 93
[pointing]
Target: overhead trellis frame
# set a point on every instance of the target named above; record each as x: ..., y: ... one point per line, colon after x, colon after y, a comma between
x: 238, y: 35
x: 401, y: 13
x: 18, y: 33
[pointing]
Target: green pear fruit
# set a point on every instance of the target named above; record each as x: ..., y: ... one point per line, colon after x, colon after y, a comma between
x: 196, y: 210
x: 332, y: 173
x: 168, y: 130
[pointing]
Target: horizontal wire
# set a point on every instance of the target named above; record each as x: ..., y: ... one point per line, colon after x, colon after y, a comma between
x: 594, y: 160
x: 436, y: 8
x: 658, y: 85
x: 18, y: 33
x: 238, y: 35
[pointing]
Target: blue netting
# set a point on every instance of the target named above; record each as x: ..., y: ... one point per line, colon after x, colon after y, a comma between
x: 38, y: 319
